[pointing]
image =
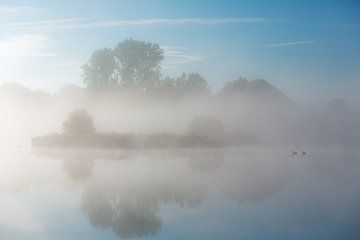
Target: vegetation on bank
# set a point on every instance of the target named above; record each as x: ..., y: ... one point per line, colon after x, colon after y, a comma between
x: 79, y: 131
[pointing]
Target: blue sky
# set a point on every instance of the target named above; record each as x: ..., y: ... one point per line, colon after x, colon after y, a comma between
x: 308, y: 49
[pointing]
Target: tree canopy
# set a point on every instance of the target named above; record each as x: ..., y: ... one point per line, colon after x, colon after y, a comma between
x: 136, y: 65
x: 99, y: 71
x: 131, y: 64
x: 139, y: 63
x: 79, y: 123
x: 257, y: 88
x: 191, y: 83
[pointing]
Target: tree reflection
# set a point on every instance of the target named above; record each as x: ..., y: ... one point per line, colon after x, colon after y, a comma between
x: 126, y: 196
x: 128, y: 216
x: 206, y: 161
x: 79, y: 168
x: 131, y: 209
x: 254, y: 180
x: 78, y: 164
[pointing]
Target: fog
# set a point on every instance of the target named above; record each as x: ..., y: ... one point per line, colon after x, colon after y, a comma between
x: 132, y: 153
x: 250, y: 118
x: 125, y: 92
x: 133, y: 194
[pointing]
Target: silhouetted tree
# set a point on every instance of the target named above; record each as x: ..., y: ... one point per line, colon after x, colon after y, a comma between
x: 99, y: 71
x: 139, y: 63
x: 79, y: 123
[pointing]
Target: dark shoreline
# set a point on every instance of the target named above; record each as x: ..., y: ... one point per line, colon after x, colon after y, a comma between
x: 129, y: 141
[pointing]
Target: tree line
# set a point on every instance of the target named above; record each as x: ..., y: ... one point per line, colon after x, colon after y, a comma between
x: 136, y: 66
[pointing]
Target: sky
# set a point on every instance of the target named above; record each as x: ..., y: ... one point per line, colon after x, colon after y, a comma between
x: 308, y: 49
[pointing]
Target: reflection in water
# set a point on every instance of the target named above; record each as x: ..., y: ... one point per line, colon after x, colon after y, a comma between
x: 128, y: 214
x: 175, y: 193
x: 79, y: 168
x: 78, y: 164
x: 206, y: 161
x: 130, y: 209
x: 84, y: 153
x: 126, y: 196
x: 256, y: 179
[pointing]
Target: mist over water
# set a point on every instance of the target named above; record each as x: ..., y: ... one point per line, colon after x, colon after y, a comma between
x: 244, y: 162
x: 165, y: 137
x: 251, y: 118
x: 224, y: 192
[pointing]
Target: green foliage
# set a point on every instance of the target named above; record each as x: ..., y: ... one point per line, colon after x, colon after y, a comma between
x: 135, y: 65
x: 98, y: 72
x: 131, y: 64
x: 139, y: 63
x: 185, y: 84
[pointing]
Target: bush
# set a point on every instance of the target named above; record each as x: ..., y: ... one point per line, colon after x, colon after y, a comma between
x: 79, y: 123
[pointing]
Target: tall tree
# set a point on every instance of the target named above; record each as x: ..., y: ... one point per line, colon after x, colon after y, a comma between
x: 139, y: 63
x: 99, y: 71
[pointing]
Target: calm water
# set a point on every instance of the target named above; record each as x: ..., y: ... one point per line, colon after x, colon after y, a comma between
x: 247, y: 193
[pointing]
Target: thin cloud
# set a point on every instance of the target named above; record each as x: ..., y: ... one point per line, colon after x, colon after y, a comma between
x: 175, y: 56
x: 8, y: 9
x: 30, y: 59
x: 344, y: 26
x: 31, y: 45
x: 288, y: 44
x: 78, y: 23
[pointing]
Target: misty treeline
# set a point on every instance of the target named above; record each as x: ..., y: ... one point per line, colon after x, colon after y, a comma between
x: 124, y: 92
x: 136, y: 66
x: 79, y: 131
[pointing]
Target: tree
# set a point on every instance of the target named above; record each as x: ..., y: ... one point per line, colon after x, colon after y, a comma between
x: 131, y: 64
x: 139, y: 63
x: 258, y: 89
x: 79, y: 123
x: 206, y: 126
x: 185, y: 84
x: 195, y: 83
x: 99, y: 71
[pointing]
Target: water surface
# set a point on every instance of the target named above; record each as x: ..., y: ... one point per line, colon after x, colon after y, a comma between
x: 245, y: 193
